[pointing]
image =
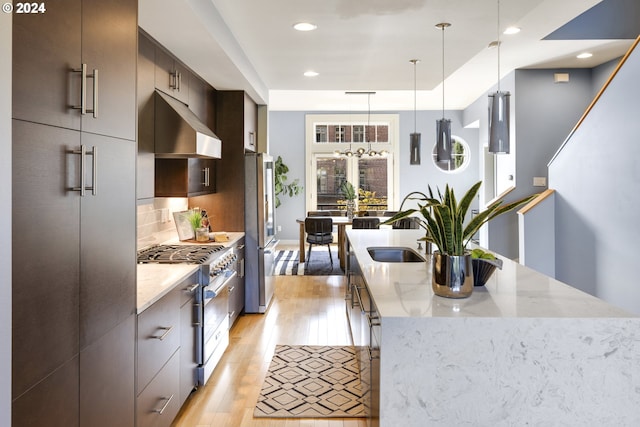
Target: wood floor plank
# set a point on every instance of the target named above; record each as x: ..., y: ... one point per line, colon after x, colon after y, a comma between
x: 306, y: 310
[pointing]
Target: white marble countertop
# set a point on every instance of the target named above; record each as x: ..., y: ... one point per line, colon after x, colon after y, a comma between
x: 156, y: 280
x: 404, y: 289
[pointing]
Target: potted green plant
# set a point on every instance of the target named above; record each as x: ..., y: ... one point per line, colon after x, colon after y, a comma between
x: 349, y: 193
x: 281, y: 185
x: 443, y: 218
x: 195, y: 219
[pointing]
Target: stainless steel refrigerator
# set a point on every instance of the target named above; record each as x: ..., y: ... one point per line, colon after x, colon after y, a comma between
x: 260, y: 229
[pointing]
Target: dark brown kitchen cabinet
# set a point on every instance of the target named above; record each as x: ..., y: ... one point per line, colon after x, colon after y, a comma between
x: 158, y: 404
x: 53, y: 402
x: 107, y: 220
x: 45, y: 258
x: 49, y: 51
x: 146, y: 129
x: 166, y: 355
x: 107, y: 395
x: 73, y: 330
x: 88, y: 270
x: 232, y: 110
x: 172, y: 77
x: 185, y: 177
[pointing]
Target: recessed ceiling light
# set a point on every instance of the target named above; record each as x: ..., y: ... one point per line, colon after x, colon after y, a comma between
x: 511, y: 30
x: 584, y: 55
x: 305, y: 26
x: 310, y: 73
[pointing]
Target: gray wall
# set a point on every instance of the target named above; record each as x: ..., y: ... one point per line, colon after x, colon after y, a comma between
x: 543, y: 114
x: 287, y: 139
x: 5, y: 220
x: 596, y: 177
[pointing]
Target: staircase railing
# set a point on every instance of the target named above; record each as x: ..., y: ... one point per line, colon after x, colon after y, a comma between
x: 596, y: 99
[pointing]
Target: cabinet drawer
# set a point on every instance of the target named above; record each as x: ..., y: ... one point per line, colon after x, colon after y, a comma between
x: 158, y: 336
x: 158, y: 404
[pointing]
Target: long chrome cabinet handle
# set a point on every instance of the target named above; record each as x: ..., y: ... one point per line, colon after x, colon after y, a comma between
x: 83, y: 91
x: 206, y: 177
x: 94, y: 184
x: 83, y: 168
x: 81, y: 189
x: 161, y: 410
x: 95, y: 94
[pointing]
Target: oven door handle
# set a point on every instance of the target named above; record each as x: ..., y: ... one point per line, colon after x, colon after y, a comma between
x: 228, y: 275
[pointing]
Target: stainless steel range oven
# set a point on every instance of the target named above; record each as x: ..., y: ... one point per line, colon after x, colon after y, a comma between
x: 211, y: 309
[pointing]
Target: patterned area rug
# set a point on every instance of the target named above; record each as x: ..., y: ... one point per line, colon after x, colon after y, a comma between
x: 311, y: 382
x: 287, y: 263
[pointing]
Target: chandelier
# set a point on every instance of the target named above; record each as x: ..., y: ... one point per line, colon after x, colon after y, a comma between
x: 361, y: 152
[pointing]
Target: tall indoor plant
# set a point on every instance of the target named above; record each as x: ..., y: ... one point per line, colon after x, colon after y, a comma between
x: 443, y: 218
x: 281, y: 185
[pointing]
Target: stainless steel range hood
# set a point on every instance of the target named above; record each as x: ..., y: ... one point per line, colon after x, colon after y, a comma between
x: 179, y: 133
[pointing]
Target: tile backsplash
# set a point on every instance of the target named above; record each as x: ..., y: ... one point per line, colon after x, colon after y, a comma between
x: 155, y: 220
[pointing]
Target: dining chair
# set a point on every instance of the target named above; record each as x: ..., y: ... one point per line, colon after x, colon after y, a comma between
x: 318, y: 213
x: 368, y: 223
x: 319, y: 232
x: 409, y: 223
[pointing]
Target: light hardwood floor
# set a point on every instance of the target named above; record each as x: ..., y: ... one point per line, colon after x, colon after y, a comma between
x: 305, y: 310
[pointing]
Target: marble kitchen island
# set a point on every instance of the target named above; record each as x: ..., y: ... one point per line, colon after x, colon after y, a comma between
x: 525, y: 349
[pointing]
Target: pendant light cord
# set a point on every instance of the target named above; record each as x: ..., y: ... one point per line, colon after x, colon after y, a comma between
x: 415, y: 88
x: 443, y: 27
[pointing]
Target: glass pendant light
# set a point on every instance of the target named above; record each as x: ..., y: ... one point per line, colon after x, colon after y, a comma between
x: 499, y: 112
x: 414, y: 141
x: 443, y: 126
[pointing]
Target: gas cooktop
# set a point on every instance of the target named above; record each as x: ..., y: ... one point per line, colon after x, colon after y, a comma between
x: 167, y: 254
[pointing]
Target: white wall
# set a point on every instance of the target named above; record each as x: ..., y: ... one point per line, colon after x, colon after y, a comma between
x: 596, y: 177
x: 5, y: 220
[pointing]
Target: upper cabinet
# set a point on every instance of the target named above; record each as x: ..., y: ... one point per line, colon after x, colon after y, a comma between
x: 172, y: 77
x: 185, y: 177
x: 250, y: 124
x: 75, y: 67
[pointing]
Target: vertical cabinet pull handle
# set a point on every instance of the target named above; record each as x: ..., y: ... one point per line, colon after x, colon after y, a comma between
x: 95, y: 93
x: 161, y: 410
x: 207, y: 176
x: 83, y: 91
x: 94, y: 185
x: 175, y: 78
x: 83, y: 169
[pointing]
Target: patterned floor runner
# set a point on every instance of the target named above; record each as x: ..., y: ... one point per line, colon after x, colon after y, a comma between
x: 287, y: 263
x: 311, y: 382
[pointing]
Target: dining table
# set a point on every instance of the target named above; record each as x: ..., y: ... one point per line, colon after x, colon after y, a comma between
x: 341, y: 223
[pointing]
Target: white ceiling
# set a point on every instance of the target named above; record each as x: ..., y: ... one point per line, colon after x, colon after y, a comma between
x: 366, y: 45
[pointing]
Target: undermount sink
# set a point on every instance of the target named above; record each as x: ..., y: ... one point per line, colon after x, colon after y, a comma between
x: 394, y: 254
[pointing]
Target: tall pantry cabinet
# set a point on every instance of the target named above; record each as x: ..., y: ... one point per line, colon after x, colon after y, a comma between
x: 73, y: 207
